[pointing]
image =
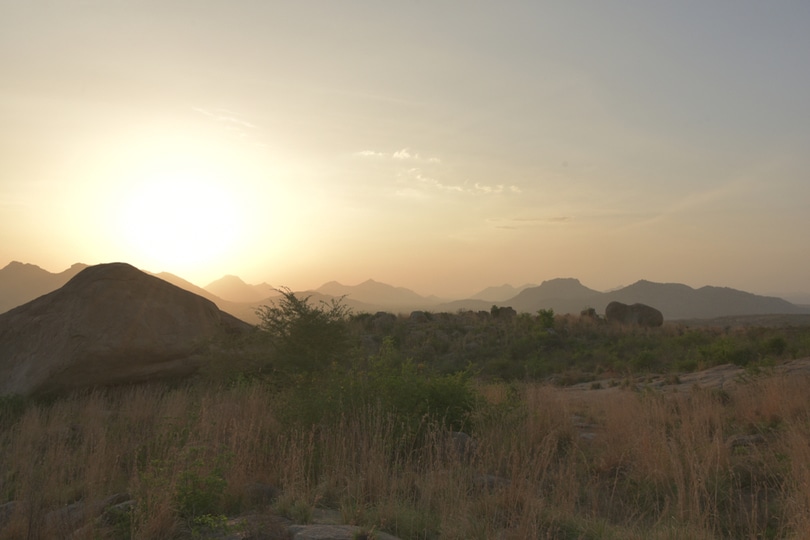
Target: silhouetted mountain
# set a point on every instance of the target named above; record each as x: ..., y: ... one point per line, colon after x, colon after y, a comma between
x: 21, y: 283
x: 379, y: 294
x: 499, y: 294
x: 233, y: 289
x: 563, y: 295
x: 678, y: 301
x: 798, y: 298
x: 242, y: 310
x: 316, y: 297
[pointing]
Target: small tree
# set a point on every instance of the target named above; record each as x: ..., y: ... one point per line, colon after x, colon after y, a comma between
x: 546, y: 318
x: 306, y: 338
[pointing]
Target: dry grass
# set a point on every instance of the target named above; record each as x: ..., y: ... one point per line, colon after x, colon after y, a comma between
x: 549, y: 463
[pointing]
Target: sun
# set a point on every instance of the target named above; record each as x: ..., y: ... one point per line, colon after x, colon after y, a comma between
x: 180, y: 217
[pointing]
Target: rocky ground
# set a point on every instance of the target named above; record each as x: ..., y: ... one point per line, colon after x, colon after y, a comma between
x: 721, y: 377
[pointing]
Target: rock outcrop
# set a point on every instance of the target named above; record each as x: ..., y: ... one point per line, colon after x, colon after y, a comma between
x: 110, y: 324
x: 637, y: 314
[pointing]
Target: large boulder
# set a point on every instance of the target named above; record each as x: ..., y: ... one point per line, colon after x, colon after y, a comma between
x: 110, y: 324
x: 635, y: 314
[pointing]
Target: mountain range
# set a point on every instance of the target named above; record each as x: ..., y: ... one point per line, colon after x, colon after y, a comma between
x: 20, y: 283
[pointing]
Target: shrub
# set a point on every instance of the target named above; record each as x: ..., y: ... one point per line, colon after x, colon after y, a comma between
x: 305, y: 337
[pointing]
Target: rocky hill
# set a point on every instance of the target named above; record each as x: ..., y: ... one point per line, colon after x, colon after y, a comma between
x: 109, y: 324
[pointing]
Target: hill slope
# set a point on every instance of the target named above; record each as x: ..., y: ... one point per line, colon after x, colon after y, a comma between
x: 21, y: 282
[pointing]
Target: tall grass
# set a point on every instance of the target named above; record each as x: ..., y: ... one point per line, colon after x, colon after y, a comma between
x: 547, y: 463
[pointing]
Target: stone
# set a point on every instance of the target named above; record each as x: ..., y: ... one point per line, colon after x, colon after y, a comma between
x: 110, y: 324
x: 464, y: 447
x: 258, y: 493
x: 383, y: 322
x: 6, y: 511
x: 589, y: 313
x: 634, y: 314
x: 334, y: 532
x: 744, y: 441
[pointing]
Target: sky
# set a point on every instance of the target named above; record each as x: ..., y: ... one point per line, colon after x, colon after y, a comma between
x: 443, y: 146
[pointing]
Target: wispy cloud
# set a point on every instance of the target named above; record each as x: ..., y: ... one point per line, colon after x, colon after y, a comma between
x: 527, y: 222
x: 233, y: 124
x: 369, y: 154
x: 403, y: 154
x: 416, y: 177
x: 225, y: 116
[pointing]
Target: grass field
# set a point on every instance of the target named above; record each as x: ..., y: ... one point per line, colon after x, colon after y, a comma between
x: 548, y: 463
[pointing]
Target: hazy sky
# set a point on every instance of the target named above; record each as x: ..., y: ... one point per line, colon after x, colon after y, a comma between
x: 441, y: 146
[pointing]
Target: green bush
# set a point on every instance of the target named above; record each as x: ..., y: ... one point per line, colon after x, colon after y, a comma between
x: 410, y: 393
x: 305, y: 338
x: 200, y: 487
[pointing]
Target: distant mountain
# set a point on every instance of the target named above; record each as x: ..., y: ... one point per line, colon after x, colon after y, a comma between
x: 677, y: 301
x: 501, y: 293
x: 356, y: 306
x: 379, y: 294
x: 233, y: 289
x: 674, y: 300
x: 799, y: 298
x: 563, y: 295
x: 21, y: 283
x: 242, y: 310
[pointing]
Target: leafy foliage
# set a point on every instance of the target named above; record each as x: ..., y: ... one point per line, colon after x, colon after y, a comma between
x: 305, y: 337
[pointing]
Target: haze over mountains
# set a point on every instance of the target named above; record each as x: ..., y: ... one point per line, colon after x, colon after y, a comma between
x: 20, y: 283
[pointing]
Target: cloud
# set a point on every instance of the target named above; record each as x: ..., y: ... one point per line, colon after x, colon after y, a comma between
x: 415, y: 176
x: 234, y: 125
x: 424, y: 182
x: 403, y: 154
x: 369, y: 153
x: 527, y: 222
x: 225, y: 116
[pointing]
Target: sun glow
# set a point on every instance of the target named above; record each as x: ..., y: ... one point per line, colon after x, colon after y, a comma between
x: 177, y: 217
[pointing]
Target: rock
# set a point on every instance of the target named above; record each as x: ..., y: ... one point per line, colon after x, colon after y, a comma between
x: 259, y: 494
x: 743, y: 441
x: 635, y: 314
x: 383, y: 322
x: 589, y: 313
x: 334, y: 532
x: 110, y: 324
x: 464, y: 446
x: 116, y: 513
x: 6, y: 511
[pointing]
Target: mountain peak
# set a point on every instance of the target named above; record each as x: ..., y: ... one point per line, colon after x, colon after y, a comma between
x: 228, y: 278
x: 17, y: 266
x: 234, y: 289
